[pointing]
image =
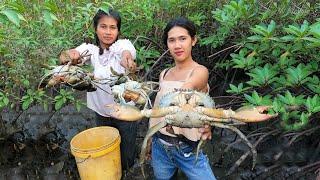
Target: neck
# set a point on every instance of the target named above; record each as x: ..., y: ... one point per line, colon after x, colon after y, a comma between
x: 184, y: 64
x: 104, y: 46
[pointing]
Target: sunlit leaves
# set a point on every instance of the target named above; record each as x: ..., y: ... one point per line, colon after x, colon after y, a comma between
x: 291, y: 100
x: 264, y: 33
x: 297, y: 76
x: 63, y: 98
x: 243, y: 60
x: 262, y: 76
x: 257, y: 100
x: 237, y: 89
x: 13, y: 16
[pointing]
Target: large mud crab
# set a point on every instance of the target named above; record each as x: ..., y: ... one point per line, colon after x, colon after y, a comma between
x: 70, y: 75
x: 134, y: 93
x: 192, y: 109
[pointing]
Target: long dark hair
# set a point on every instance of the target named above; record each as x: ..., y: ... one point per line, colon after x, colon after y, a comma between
x: 181, y: 22
x: 101, y: 13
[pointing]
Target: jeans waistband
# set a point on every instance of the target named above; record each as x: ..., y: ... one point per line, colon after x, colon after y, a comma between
x: 176, y: 140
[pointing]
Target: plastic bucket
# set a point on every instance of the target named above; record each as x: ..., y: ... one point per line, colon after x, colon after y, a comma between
x: 97, y: 153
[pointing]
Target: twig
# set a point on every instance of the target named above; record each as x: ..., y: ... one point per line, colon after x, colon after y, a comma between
x: 146, y: 38
x: 212, y: 55
x: 294, y: 138
x: 154, y: 64
x: 244, y: 156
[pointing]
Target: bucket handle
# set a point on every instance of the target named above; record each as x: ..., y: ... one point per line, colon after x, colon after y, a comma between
x: 82, y: 161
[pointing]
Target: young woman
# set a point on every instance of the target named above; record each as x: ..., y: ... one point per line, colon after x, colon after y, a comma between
x: 109, y: 51
x: 172, y: 150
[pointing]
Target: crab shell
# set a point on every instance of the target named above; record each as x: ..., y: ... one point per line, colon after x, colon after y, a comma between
x: 183, y: 97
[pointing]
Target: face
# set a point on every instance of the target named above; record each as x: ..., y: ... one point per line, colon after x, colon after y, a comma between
x: 180, y: 43
x: 107, y: 31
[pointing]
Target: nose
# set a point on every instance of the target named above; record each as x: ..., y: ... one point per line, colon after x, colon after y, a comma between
x: 177, y: 45
x: 108, y: 31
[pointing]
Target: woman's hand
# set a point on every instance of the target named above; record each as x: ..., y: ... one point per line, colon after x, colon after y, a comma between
x: 205, y: 132
x: 70, y: 55
x: 127, y: 61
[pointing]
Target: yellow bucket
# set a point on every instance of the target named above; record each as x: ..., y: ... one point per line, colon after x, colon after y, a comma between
x: 97, y: 153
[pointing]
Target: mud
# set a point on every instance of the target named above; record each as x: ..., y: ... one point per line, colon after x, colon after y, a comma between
x: 34, y: 144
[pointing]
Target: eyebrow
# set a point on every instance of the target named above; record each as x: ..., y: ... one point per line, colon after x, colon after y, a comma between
x: 178, y: 37
x: 110, y: 25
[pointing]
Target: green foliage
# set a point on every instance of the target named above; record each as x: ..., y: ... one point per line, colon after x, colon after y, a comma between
x: 237, y: 89
x: 297, y: 76
x: 257, y: 100
x: 63, y: 98
x: 261, y: 77
x: 277, y: 47
x: 145, y: 57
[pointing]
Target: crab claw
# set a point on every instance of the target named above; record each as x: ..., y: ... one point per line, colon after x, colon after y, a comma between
x: 253, y: 114
x: 125, y: 112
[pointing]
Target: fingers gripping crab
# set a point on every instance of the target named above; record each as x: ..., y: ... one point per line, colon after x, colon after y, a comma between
x: 134, y: 92
x: 71, y: 75
x: 192, y: 109
x: 137, y: 92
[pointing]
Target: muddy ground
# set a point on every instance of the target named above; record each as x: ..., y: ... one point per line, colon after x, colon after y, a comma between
x: 34, y: 144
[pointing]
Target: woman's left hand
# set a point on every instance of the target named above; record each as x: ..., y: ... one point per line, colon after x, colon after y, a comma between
x: 205, y: 132
x: 127, y: 61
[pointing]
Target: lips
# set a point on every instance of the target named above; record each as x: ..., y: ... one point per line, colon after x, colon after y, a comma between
x: 178, y: 53
x: 108, y: 38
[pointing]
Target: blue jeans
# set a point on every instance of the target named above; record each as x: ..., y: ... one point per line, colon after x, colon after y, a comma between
x: 166, y: 159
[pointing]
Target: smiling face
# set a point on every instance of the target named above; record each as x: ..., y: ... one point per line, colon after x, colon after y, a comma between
x: 107, y: 31
x: 180, y: 43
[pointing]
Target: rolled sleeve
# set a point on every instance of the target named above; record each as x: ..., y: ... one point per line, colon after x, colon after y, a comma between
x: 122, y: 45
x: 83, y: 47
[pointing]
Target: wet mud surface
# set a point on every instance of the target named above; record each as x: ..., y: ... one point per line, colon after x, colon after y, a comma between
x: 35, y: 145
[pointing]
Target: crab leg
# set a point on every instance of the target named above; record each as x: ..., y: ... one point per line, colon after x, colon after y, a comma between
x: 149, y: 134
x: 243, y: 137
x: 132, y: 113
x: 254, y: 114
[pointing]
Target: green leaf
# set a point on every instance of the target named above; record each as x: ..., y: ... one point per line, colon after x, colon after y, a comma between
x: 288, y: 38
x: 26, y: 104
x: 255, y: 38
x: 12, y: 16
x: 47, y: 17
x: 58, y: 105
x: 316, y: 109
x: 250, y: 99
x: 5, y: 100
x: 78, y: 106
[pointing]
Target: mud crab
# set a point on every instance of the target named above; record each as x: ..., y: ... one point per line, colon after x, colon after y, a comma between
x: 134, y: 92
x: 128, y: 91
x: 71, y: 75
x: 192, y: 109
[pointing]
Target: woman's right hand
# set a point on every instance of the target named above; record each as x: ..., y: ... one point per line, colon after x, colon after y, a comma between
x: 70, y: 55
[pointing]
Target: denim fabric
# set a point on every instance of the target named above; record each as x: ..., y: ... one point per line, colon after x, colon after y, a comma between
x: 128, y: 133
x: 166, y: 159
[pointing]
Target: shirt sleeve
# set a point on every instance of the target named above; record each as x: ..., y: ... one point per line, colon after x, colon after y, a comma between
x: 83, y: 47
x: 124, y: 44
